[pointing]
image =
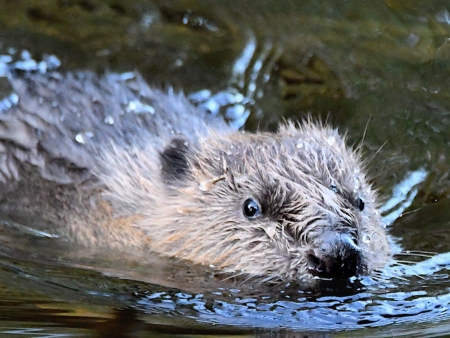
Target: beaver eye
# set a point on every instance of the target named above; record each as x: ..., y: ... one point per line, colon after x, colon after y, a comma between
x: 360, y: 204
x: 334, y: 188
x: 251, y: 208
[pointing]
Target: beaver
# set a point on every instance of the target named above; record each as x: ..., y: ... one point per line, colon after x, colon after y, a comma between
x: 109, y: 163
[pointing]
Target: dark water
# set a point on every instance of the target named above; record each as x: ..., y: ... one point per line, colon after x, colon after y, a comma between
x: 384, y: 66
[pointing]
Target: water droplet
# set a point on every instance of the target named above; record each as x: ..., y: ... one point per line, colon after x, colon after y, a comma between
x: 27, y: 65
x: 200, y: 96
x: 270, y: 232
x: 179, y: 62
x: 366, y: 239
x: 25, y: 55
x: 412, y: 39
x: 235, y: 112
x: 109, y: 119
x: 137, y: 107
x: 5, y: 58
x: 83, y: 137
x: 147, y: 20
x: 42, y: 67
x: 238, y: 97
x: 80, y: 138
x: 443, y: 16
x: 52, y: 61
x: 331, y: 140
x: 8, y: 102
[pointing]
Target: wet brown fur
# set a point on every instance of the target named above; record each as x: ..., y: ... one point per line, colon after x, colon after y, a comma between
x: 200, y: 218
x: 195, y: 214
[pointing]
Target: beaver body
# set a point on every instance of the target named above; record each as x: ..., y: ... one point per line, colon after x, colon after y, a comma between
x: 108, y: 163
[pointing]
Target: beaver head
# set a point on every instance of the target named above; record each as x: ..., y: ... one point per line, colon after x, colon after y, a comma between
x: 280, y: 207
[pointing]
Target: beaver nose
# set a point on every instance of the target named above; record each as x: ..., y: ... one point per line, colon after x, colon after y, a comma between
x: 337, y: 257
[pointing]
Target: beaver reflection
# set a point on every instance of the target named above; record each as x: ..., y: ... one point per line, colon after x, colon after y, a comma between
x: 113, y: 165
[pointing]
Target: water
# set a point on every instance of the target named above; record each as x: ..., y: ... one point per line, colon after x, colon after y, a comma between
x: 375, y: 69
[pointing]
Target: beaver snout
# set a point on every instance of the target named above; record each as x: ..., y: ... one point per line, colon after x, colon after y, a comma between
x: 336, y: 257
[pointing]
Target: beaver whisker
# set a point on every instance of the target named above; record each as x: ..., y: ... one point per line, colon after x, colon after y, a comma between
x: 410, y: 212
x: 397, y: 276
x: 260, y: 280
x: 417, y: 253
x: 359, y: 147
x: 366, y: 163
x: 237, y: 275
x: 394, y: 271
x: 380, y: 278
x: 406, y: 263
x: 419, y: 276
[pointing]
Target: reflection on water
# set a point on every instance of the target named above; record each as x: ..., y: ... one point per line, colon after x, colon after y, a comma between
x: 258, y: 62
x: 370, y: 307
x: 77, y: 300
x: 402, y: 196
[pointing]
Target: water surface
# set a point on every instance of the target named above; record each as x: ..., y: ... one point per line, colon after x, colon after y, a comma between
x: 375, y: 69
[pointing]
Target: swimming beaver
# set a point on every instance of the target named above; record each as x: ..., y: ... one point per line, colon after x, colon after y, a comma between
x: 112, y: 164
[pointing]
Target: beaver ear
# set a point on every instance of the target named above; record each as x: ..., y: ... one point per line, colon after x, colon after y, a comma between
x: 174, y: 160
